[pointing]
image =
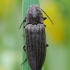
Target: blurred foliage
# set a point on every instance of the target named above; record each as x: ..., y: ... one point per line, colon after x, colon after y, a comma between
x: 58, y: 35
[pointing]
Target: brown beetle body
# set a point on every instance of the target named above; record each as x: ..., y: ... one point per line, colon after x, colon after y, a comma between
x: 35, y: 45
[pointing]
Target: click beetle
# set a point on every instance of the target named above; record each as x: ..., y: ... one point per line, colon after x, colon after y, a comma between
x: 35, y: 43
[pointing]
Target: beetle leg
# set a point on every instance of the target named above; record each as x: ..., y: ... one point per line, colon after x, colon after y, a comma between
x: 24, y: 26
x: 44, y: 18
x: 25, y: 51
x: 24, y: 61
x: 44, y: 25
x: 22, y: 23
x: 47, y: 45
x: 24, y: 48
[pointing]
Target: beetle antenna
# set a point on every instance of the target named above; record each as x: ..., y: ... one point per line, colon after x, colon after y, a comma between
x: 48, y: 17
x: 20, y: 25
x: 22, y: 22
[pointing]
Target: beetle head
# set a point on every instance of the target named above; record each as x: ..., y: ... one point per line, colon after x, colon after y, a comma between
x: 34, y: 14
x: 34, y: 11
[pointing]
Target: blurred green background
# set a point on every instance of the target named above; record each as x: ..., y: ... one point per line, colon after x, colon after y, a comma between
x: 57, y: 35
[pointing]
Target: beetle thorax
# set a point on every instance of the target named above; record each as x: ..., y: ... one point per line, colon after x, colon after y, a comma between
x: 34, y: 11
x: 34, y: 14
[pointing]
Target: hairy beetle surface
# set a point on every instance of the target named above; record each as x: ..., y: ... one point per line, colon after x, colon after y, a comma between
x: 35, y: 45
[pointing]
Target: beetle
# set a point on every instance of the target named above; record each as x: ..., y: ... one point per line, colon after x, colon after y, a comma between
x: 35, y: 44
